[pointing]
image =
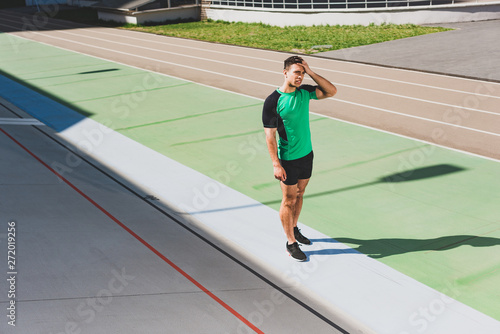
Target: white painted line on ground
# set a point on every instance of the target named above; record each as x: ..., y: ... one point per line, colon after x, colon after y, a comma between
x: 241, y: 94
x: 275, y: 72
x: 318, y: 68
x: 313, y: 56
x: 420, y: 118
x: 266, y: 84
x: 407, y: 137
x: 278, y: 73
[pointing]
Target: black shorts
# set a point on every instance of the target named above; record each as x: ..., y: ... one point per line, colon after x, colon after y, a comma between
x: 299, y: 169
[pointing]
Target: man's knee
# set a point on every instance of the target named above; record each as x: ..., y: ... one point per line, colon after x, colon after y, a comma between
x: 289, y: 200
x: 301, y: 190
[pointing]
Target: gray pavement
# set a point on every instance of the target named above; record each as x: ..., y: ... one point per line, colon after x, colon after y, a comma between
x: 471, y: 50
x: 75, y: 269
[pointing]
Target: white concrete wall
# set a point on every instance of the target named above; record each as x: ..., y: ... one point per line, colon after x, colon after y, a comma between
x: 157, y: 15
x: 183, y: 13
x: 116, y: 17
x: 423, y: 15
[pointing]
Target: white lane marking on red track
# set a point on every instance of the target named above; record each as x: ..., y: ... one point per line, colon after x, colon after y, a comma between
x: 262, y: 83
x: 277, y: 73
x: 331, y: 117
x: 319, y: 68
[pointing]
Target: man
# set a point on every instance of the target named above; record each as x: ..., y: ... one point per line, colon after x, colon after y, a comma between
x: 286, y: 111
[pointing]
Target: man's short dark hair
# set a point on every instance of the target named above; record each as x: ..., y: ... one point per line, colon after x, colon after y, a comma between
x: 292, y: 60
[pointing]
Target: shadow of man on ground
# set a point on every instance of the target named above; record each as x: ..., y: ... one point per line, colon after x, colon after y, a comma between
x: 379, y: 248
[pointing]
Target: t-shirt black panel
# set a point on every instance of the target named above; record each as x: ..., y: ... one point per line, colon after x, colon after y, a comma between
x: 309, y: 88
x: 270, y: 117
x: 269, y: 111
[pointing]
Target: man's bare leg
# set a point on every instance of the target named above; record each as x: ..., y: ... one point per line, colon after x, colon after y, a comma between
x: 301, y: 187
x: 288, y: 209
x: 287, y: 215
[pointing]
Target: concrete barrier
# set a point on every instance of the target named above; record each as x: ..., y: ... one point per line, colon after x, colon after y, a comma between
x: 463, y: 12
x: 189, y: 12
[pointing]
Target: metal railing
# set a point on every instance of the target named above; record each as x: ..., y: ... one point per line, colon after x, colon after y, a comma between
x: 334, y: 4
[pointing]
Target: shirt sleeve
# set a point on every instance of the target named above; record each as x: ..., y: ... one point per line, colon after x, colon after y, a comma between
x: 311, y: 90
x: 269, y: 111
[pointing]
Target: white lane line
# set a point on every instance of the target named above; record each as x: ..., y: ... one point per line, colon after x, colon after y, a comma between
x: 275, y: 72
x: 262, y: 83
x: 20, y: 121
x: 275, y: 61
x: 312, y: 56
x: 253, y: 68
x: 315, y: 57
x: 422, y: 118
x: 253, y: 97
x: 407, y: 137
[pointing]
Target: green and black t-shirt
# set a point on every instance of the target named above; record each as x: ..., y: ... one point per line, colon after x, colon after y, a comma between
x: 289, y: 113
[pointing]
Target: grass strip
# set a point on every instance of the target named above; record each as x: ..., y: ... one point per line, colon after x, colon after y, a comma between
x: 298, y: 39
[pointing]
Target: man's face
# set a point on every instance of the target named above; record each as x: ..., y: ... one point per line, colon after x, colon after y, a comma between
x: 294, y: 75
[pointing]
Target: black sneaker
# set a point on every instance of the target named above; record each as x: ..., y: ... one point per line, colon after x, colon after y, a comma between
x: 299, y: 237
x: 295, y: 252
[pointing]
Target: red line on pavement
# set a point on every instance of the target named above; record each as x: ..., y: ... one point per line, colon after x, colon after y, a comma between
x: 173, y: 265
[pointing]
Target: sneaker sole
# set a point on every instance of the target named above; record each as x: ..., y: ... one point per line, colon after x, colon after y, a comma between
x: 298, y: 260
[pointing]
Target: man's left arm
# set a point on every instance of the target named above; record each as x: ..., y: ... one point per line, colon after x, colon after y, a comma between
x: 325, y: 88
